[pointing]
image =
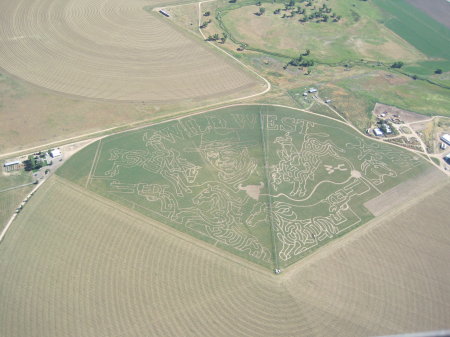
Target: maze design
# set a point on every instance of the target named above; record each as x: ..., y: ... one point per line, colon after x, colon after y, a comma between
x: 267, y: 187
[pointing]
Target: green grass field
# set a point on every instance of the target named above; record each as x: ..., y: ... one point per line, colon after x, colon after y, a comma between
x: 424, y: 33
x: 364, y: 91
x: 358, y: 35
x: 269, y: 184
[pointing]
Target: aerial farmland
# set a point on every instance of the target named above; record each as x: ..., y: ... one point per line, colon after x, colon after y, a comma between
x: 224, y: 168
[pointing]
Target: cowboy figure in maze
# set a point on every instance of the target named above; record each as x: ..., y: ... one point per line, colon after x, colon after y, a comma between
x: 226, y: 153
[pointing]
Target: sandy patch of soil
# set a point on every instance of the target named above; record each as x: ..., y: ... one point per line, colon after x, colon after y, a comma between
x: 404, y: 115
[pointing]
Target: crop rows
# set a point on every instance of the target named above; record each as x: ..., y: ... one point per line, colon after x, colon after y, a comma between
x: 110, y: 50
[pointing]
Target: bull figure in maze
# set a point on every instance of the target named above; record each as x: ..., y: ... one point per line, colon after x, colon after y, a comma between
x: 153, y: 193
x: 372, y: 166
x: 297, y: 167
x: 219, y: 211
x: 295, y: 235
x: 157, y: 158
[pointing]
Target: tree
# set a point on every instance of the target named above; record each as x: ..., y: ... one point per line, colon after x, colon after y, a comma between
x: 397, y: 64
x: 277, y: 11
x: 215, y: 37
x: 207, y: 14
x: 307, y: 52
x: 438, y: 71
x: 262, y: 10
x: 223, y: 38
x: 258, y: 3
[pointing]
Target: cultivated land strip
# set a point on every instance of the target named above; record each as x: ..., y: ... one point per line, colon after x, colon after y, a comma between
x: 74, y: 262
x: 116, y: 51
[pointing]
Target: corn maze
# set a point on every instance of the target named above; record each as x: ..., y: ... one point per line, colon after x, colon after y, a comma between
x: 269, y: 184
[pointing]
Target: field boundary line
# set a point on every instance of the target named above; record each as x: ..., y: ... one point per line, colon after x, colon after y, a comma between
x: 94, y: 162
x: 269, y: 86
x: 13, y: 217
x: 16, y: 187
x: 164, y: 228
x: 269, y: 196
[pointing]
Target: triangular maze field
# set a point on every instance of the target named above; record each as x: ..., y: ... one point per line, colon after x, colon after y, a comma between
x: 266, y: 183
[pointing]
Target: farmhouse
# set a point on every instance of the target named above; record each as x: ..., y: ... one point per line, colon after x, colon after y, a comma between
x: 12, y: 165
x: 163, y: 12
x: 446, y: 138
x: 55, y: 153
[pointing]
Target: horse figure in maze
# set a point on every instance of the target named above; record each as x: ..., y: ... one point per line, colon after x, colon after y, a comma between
x: 220, y: 212
x: 297, y: 167
x: 372, y: 166
x: 157, y: 158
x: 223, y: 208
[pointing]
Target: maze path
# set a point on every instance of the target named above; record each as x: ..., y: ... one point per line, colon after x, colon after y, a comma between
x: 211, y: 176
x: 110, y: 49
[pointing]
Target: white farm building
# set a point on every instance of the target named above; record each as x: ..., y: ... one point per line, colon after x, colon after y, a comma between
x: 446, y: 138
x: 163, y: 12
x: 377, y: 132
x: 55, y: 153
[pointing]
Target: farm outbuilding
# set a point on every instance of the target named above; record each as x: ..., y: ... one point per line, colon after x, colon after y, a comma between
x: 11, y: 165
x: 377, y: 132
x: 55, y: 153
x: 163, y: 12
x: 446, y: 138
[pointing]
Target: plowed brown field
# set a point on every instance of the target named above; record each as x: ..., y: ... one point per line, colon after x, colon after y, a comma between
x: 75, y: 265
x: 437, y: 9
x: 111, y: 50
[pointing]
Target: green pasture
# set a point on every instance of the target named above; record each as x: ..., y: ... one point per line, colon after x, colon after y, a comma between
x: 359, y: 35
x: 424, y: 33
x: 269, y: 184
x: 413, y: 95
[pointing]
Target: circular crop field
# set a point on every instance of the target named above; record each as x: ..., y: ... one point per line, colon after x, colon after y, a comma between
x: 110, y: 49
